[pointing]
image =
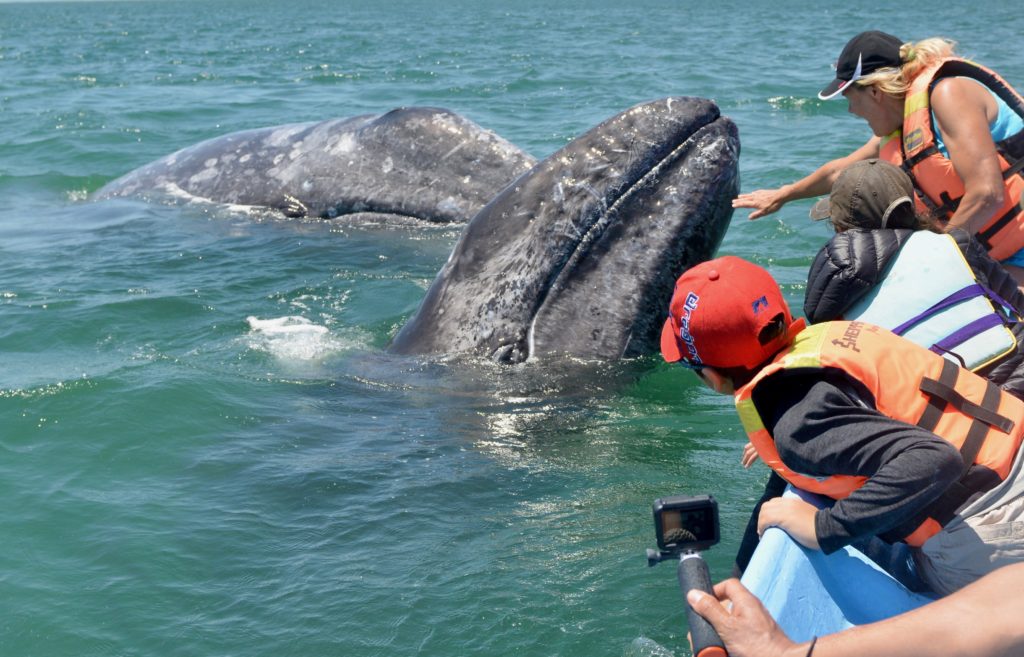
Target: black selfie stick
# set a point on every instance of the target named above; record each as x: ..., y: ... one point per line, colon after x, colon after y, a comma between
x: 692, y: 573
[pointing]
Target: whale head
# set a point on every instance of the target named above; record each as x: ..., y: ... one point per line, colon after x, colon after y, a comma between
x: 578, y: 256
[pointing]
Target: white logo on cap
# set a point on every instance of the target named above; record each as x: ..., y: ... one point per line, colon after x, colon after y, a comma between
x: 684, y: 326
x: 857, y: 73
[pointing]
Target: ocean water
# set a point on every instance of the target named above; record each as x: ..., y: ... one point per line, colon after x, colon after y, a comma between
x: 204, y: 448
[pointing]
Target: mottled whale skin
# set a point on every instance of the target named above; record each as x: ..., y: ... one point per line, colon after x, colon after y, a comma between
x: 411, y: 164
x: 579, y: 256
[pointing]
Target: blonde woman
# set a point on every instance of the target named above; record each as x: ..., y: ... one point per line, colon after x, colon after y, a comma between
x: 956, y: 127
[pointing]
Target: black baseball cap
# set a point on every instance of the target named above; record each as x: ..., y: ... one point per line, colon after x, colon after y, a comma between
x: 863, y: 54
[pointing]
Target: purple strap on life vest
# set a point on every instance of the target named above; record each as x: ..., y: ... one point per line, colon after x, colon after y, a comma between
x: 964, y: 334
x: 1009, y: 310
x: 969, y: 292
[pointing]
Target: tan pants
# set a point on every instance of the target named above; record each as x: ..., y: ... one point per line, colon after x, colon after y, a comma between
x: 985, y: 536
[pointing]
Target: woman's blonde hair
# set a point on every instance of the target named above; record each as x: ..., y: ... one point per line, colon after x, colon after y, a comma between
x: 915, y: 57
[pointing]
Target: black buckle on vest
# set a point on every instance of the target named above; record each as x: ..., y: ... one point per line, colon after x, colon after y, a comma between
x: 934, y: 209
x: 936, y: 405
x: 917, y: 158
x: 986, y: 235
x: 1012, y: 150
x: 949, y: 204
x: 1014, y: 168
x: 974, y: 479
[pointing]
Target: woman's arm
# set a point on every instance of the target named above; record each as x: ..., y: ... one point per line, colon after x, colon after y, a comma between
x: 964, y: 110
x: 818, y: 183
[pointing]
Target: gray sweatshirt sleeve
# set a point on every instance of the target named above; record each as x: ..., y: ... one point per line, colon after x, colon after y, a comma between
x: 825, y: 424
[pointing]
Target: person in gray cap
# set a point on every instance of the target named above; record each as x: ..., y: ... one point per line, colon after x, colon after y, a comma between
x: 871, y: 194
x: 956, y: 126
x: 886, y: 267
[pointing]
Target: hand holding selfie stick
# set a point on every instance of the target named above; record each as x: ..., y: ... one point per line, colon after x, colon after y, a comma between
x: 684, y: 526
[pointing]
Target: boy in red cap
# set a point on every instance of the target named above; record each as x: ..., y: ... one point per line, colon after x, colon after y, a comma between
x: 913, y: 448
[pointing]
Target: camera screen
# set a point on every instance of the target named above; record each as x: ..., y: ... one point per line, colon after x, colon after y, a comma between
x: 686, y: 523
x: 690, y: 526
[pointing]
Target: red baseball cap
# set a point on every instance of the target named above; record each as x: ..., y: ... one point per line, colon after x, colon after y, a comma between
x: 719, y: 312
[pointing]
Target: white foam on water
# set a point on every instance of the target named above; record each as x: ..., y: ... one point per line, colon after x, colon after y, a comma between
x: 645, y: 647
x: 292, y: 338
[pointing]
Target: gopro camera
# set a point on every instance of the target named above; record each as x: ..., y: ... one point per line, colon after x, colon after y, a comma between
x: 683, y: 524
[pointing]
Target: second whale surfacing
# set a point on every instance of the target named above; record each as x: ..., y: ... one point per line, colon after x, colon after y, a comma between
x: 579, y: 256
x: 409, y: 165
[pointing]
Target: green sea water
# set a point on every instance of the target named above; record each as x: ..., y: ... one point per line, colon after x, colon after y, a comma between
x: 204, y: 448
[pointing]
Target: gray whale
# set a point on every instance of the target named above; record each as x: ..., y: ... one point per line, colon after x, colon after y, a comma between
x: 411, y: 164
x: 579, y: 256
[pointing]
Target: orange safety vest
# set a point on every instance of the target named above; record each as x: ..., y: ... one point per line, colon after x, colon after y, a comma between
x: 939, y: 188
x: 911, y: 384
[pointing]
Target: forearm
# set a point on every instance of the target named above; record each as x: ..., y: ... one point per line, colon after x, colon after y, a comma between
x: 976, y: 210
x: 910, y: 480
x: 819, y: 182
x: 981, y: 620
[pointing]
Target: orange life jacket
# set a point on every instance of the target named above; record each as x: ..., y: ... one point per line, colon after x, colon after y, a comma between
x: 911, y: 384
x: 939, y: 188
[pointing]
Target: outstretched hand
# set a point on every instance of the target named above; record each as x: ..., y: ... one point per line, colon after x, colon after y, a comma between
x: 745, y: 626
x: 763, y: 201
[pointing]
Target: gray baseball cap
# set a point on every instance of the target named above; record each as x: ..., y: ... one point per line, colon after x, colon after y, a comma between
x: 866, y: 195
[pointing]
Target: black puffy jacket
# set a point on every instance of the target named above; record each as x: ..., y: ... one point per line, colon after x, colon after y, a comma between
x: 853, y: 262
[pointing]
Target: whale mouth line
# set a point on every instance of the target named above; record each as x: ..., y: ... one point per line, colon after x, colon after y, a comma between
x: 335, y: 214
x: 601, y: 218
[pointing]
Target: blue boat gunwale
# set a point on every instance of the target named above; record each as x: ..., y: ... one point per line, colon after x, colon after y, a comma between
x: 810, y: 593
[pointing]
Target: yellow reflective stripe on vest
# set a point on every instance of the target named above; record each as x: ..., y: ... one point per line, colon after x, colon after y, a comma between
x: 749, y: 417
x: 916, y: 102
